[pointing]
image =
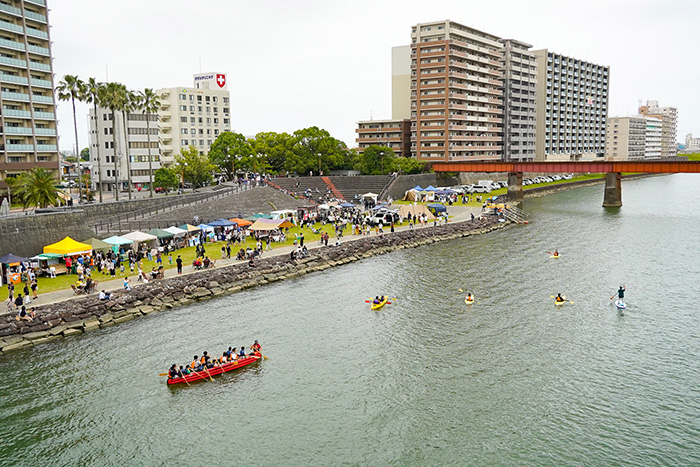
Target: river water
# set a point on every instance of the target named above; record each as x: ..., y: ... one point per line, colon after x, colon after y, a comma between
x: 512, y: 380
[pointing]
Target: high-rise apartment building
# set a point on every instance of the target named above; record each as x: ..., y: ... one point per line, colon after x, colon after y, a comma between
x: 520, y: 104
x: 669, y: 119
x: 652, y: 142
x: 572, y: 108
x: 625, y: 138
x: 132, y: 143
x: 401, y: 82
x: 691, y: 144
x: 194, y: 116
x: 456, y: 93
x: 28, y: 110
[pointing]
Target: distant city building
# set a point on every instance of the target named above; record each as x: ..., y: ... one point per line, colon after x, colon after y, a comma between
x: 653, y: 140
x: 520, y: 103
x: 194, y: 116
x: 572, y: 108
x: 132, y: 143
x: 395, y: 134
x: 401, y: 83
x: 625, y: 138
x: 669, y: 118
x: 691, y: 144
x: 28, y: 117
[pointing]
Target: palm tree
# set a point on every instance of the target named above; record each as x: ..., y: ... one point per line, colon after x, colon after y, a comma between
x: 150, y: 104
x: 36, y: 188
x: 91, y: 96
x: 72, y: 88
x: 113, y: 96
x: 131, y: 103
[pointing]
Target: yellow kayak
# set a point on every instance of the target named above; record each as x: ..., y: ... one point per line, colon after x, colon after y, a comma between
x: 376, y: 306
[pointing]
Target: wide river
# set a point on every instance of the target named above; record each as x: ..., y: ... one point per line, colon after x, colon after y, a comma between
x: 512, y: 380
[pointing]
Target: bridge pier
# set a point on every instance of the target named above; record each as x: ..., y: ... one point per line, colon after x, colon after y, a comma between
x: 613, y: 190
x: 515, y: 186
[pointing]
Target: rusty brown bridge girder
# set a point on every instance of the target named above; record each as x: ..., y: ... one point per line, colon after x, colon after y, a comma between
x: 572, y: 167
x: 612, y: 169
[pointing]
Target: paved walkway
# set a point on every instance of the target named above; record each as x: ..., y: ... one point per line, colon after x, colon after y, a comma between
x: 459, y: 214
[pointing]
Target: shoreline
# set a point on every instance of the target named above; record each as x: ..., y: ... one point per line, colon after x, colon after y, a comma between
x: 88, y: 313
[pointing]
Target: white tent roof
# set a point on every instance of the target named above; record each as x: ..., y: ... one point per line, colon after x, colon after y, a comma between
x: 370, y: 195
x: 139, y: 236
x: 175, y: 231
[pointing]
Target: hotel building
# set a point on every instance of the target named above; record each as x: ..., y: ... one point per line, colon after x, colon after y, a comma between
x: 193, y: 116
x: 28, y: 109
x: 669, y: 119
x: 625, y: 138
x: 572, y: 108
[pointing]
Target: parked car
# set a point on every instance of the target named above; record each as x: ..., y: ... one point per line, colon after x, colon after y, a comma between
x: 556, y: 177
x: 495, y: 186
x: 469, y: 189
x: 385, y: 217
x: 503, y: 183
x: 568, y: 176
x: 482, y: 189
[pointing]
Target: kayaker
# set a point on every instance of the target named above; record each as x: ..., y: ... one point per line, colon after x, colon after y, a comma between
x: 469, y: 297
x: 376, y: 300
x: 556, y: 253
x: 559, y: 298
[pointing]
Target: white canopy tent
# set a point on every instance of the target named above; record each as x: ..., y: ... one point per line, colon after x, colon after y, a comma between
x: 176, y: 231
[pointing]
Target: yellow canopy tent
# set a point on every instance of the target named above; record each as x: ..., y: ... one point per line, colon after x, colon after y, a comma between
x: 68, y: 247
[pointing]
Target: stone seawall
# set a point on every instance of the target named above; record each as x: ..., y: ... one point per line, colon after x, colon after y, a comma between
x: 83, y: 314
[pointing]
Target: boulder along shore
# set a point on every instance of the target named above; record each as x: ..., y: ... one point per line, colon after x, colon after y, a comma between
x: 82, y: 314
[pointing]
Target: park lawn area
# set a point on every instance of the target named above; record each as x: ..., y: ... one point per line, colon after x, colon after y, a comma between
x: 213, y: 250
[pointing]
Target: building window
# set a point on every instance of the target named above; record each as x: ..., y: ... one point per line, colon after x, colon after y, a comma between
x: 183, y: 131
x: 183, y: 108
x: 184, y: 142
x: 183, y: 97
x: 183, y: 119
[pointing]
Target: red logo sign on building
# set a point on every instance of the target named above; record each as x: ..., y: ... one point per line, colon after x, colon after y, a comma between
x: 221, y: 80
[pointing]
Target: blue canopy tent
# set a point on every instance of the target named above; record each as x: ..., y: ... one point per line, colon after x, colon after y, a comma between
x: 205, y: 227
x: 417, y: 188
x: 222, y: 223
x: 430, y: 188
x: 347, y: 205
x: 437, y: 207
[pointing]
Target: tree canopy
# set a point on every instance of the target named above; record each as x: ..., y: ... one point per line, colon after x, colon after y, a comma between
x: 166, y: 179
x: 85, y: 154
x: 196, y: 167
x: 229, y: 152
x: 36, y: 187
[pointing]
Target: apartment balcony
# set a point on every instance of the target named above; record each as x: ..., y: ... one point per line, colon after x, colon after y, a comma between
x: 19, y: 147
x: 42, y: 99
x: 42, y: 83
x: 10, y: 9
x: 33, y: 65
x: 16, y: 113
x: 45, y: 131
x: 35, y: 16
x: 11, y: 27
x: 13, y: 62
x: 8, y: 78
x: 38, y: 50
x: 474, y: 47
x: 11, y: 44
x: 44, y: 116
x: 15, y: 96
x: 46, y: 148
x: 37, y: 33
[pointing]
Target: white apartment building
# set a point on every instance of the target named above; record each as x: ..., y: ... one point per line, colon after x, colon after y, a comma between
x: 653, y: 142
x: 625, y: 138
x: 691, y: 143
x: 572, y: 108
x: 132, y: 143
x: 669, y: 119
x: 193, y: 116
x: 520, y: 104
x: 28, y: 111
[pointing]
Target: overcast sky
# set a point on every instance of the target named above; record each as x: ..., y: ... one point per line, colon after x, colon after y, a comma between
x: 292, y: 64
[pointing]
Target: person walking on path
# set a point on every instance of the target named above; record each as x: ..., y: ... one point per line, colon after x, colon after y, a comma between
x: 34, y: 287
x: 179, y: 264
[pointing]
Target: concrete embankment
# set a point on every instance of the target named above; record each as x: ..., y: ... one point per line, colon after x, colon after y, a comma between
x: 83, y: 314
x: 549, y: 189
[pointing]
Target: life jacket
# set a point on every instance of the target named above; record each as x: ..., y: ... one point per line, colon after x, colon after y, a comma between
x: 255, y: 347
x: 194, y: 364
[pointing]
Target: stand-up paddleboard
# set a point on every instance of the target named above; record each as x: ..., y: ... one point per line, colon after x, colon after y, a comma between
x: 620, y: 305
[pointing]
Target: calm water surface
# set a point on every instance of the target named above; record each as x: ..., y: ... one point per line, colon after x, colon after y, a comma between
x: 425, y: 381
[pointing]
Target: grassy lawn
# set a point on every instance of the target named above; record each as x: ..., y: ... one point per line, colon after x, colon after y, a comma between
x: 213, y: 251
x: 693, y: 157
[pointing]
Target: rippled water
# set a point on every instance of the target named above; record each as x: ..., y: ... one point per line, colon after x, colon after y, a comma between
x: 426, y: 380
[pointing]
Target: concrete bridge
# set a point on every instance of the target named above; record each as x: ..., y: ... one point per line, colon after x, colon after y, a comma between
x: 612, y: 169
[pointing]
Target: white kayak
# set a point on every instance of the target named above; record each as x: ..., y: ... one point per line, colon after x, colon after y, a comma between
x: 620, y: 304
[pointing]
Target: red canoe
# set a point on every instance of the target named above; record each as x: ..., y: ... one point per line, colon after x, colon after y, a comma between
x: 216, y: 370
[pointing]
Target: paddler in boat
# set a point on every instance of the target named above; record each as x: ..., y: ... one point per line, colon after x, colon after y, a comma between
x: 376, y: 300
x: 556, y: 253
x: 469, y: 297
x: 196, y: 366
x: 242, y: 353
x: 255, y: 347
x: 173, y: 373
x: 559, y: 298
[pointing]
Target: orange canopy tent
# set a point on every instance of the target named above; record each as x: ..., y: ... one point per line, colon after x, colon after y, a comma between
x: 241, y: 222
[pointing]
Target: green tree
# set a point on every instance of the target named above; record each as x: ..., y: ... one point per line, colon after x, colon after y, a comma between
x: 166, y: 179
x: 70, y: 89
x: 227, y: 150
x: 113, y: 97
x: 410, y: 165
x: 150, y: 104
x: 85, y: 154
x: 194, y: 167
x: 314, y: 149
x: 276, y: 148
x: 35, y: 188
x: 92, y: 96
x: 376, y: 160
x: 72, y: 159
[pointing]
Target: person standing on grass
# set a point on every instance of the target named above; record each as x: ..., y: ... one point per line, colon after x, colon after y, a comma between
x: 34, y: 286
x: 179, y: 264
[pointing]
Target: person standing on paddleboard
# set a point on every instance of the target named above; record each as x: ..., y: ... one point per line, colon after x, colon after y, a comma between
x: 621, y: 293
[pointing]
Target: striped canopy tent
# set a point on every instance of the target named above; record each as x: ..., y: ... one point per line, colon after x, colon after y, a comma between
x: 189, y: 228
x: 68, y: 247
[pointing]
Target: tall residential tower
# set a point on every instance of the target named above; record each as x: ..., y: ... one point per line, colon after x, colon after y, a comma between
x: 28, y: 110
x: 669, y: 120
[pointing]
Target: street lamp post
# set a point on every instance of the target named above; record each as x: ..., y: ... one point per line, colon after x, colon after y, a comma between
x: 182, y: 176
x: 381, y: 161
x: 319, y: 164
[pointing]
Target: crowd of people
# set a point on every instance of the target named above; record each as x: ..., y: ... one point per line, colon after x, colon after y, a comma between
x: 206, y: 362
